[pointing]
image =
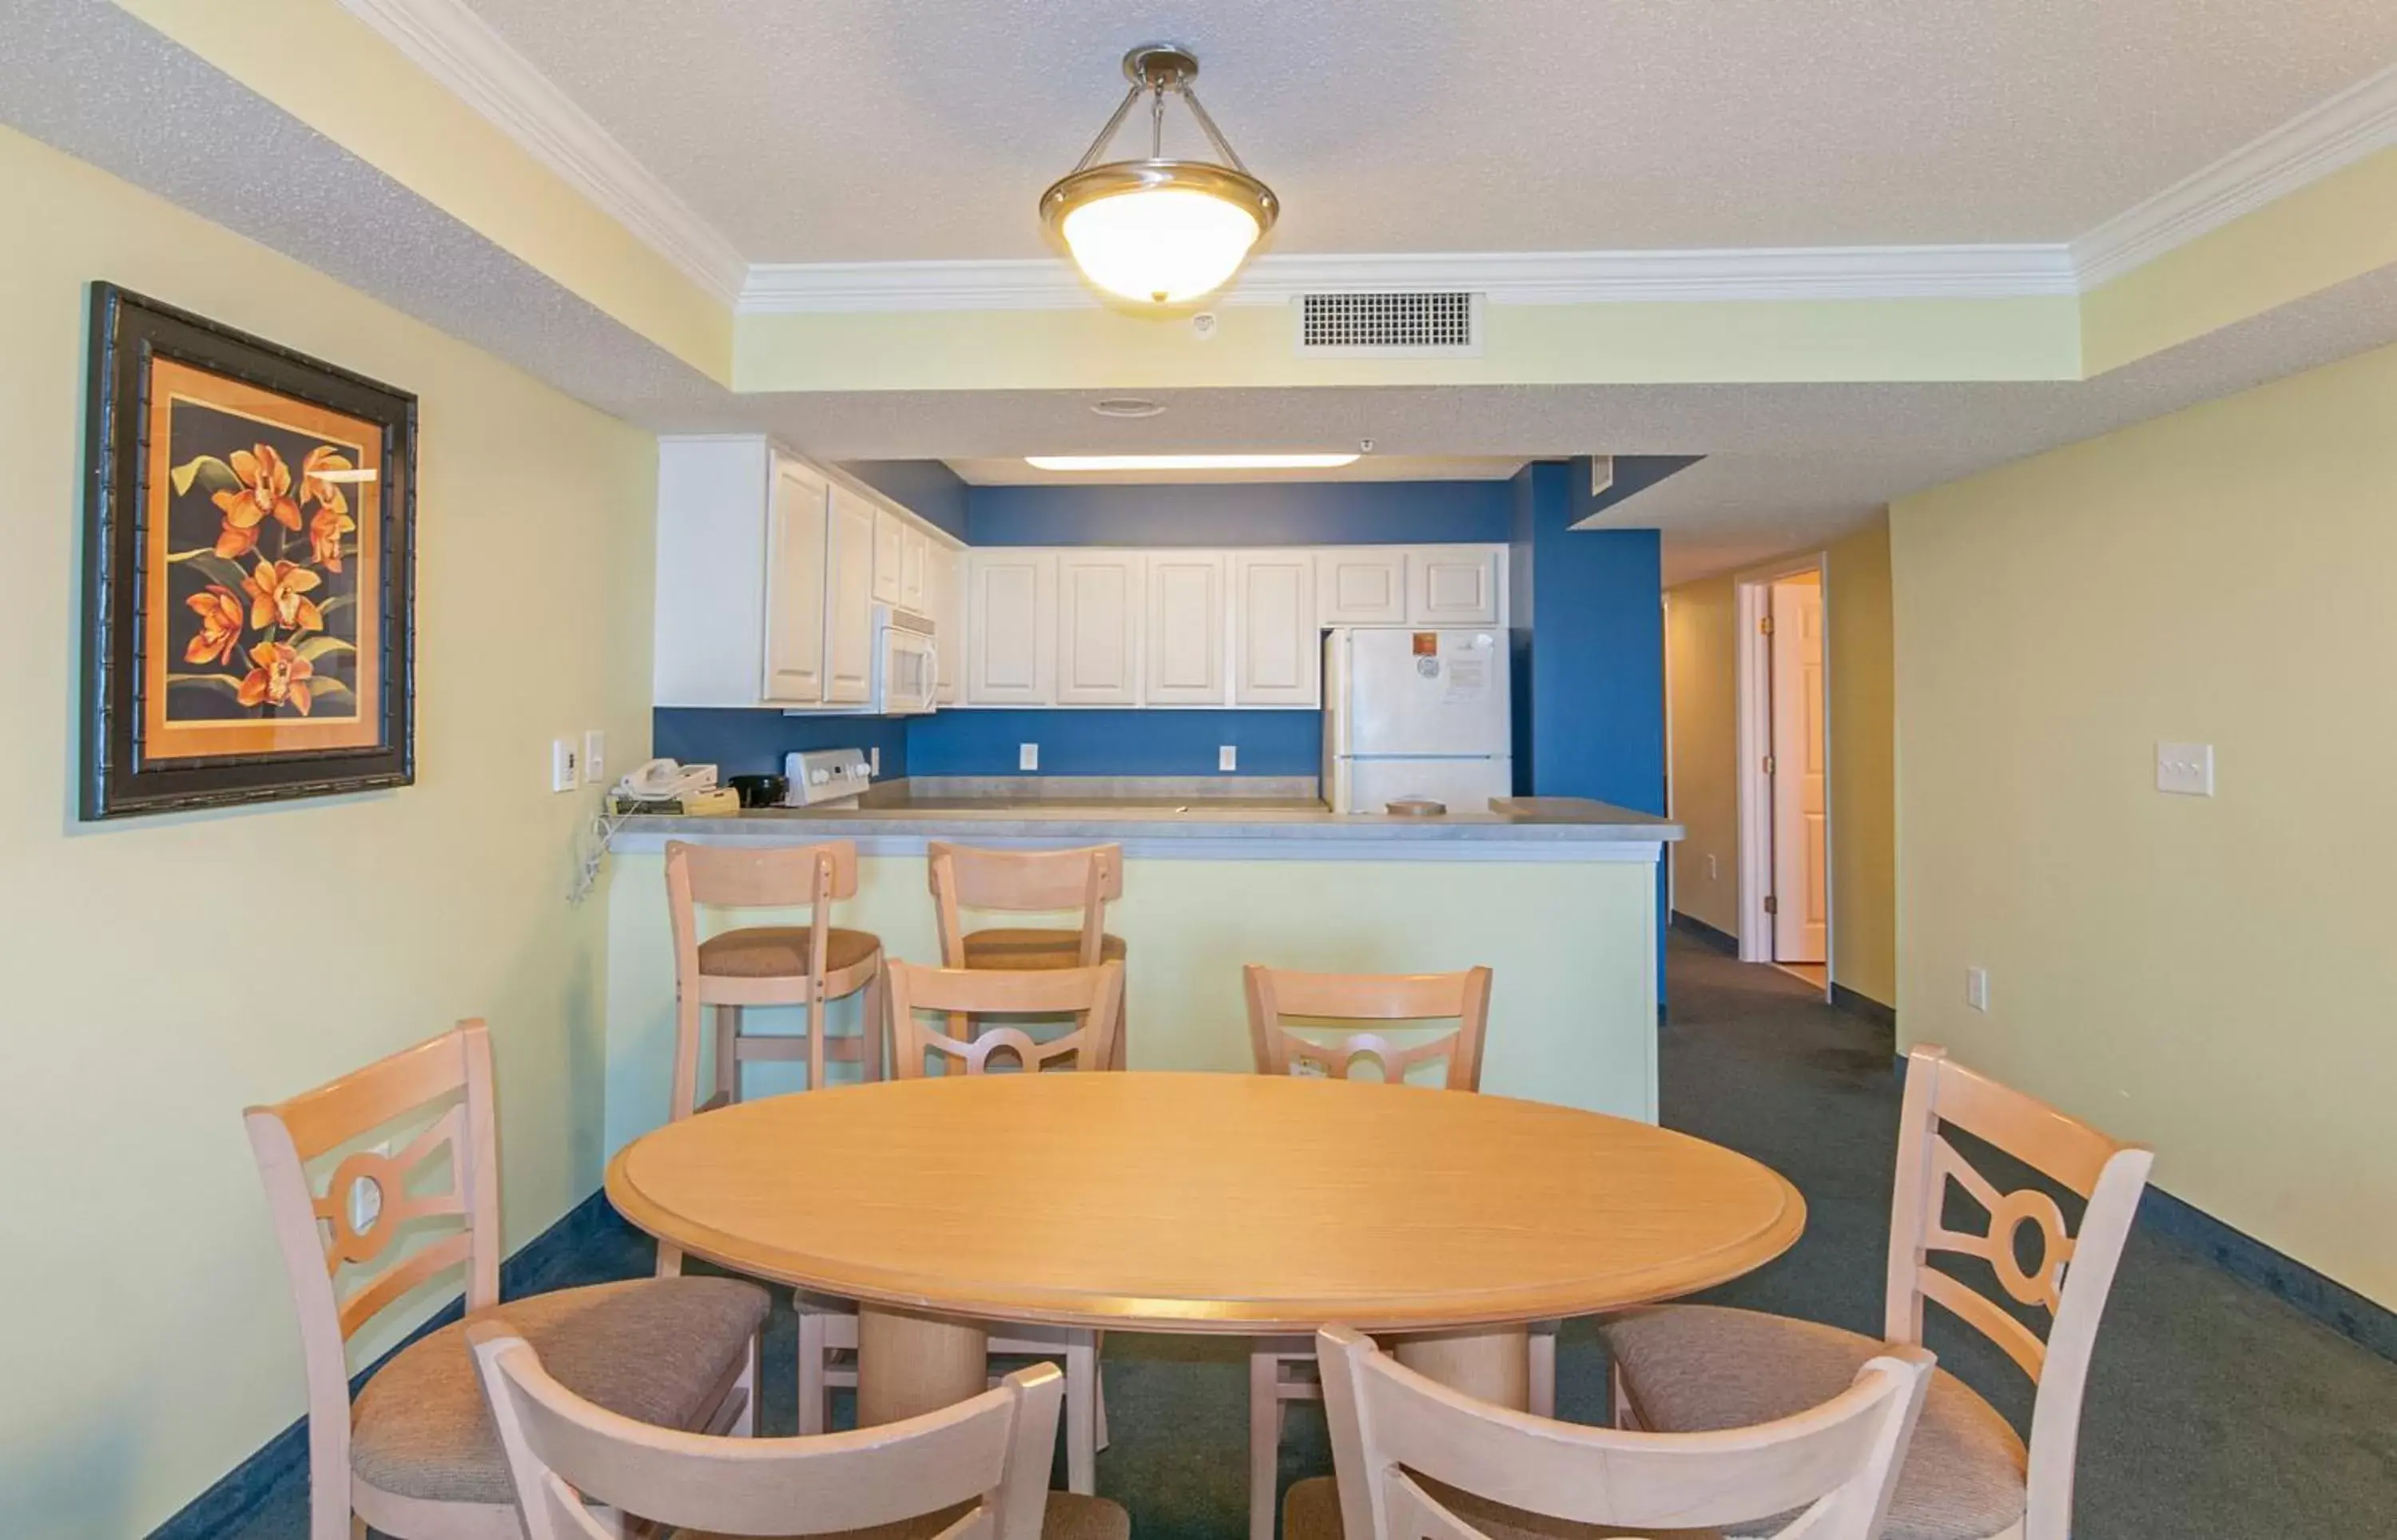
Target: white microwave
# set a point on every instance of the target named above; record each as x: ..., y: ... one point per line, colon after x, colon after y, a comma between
x: 907, y: 663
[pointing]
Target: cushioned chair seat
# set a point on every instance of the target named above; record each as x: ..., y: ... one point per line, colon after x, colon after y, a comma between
x: 1066, y: 1518
x: 1698, y: 1368
x: 1028, y: 949
x: 655, y: 1349
x: 1312, y: 1511
x: 781, y: 951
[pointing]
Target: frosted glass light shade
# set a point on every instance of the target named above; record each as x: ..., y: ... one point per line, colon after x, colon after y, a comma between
x: 1160, y: 245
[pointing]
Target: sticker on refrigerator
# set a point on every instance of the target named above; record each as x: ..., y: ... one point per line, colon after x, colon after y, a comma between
x: 1467, y: 677
x: 1427, y: 644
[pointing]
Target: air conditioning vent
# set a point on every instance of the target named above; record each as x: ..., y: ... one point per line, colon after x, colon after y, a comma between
x: 1426, y: 320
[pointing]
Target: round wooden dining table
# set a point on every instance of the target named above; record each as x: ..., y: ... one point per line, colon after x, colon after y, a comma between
x: 1243, y: 1205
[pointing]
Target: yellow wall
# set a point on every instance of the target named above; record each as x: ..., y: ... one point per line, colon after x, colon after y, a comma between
x: 164, y: 971
x: 1864, y: 822
x: 2214, y: 976
x: 1701, y: 669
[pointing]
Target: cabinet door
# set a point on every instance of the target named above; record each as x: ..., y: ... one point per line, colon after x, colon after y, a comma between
x: 1098, y: 627
x: 1011, y: 628
x: 794, y: 586
x: 944, y: 601
x: 1363, y: 585
x: 889, y: 556
x: 1277, y: 660
x: 915, y: 552
x: 1183, y: 647
x: 848, y: 600
x: 1453, y: 585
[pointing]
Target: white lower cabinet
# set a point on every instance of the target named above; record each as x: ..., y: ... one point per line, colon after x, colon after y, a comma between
x: 1188, y: 606
x: 1099, y: 606
x: 1277, y: 659
x: 1011, y: 628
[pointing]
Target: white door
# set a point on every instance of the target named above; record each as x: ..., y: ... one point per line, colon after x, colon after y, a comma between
x: 1363, y: 585
x: 1183, y: 647
x: 1099, y: 602
x: 945, y: 600
x: 1276, y: 659
x: 889, y: 556
x: 1417, y: 693
x: 794, y: 587
x: 1453, y: 586
x: 1011, y: 627
x: 1800, y: 920
x: 914, y: 551
x: 848, y: 602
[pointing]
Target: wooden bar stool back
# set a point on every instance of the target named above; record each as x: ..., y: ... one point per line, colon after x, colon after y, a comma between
x: 828, y: 1341
x: 412, y: 1457
x: 1413, y: 1458
x: 1279, y: 1366
x: 1028, y: 882
x: 578, y: 1467
x: 811, y: 965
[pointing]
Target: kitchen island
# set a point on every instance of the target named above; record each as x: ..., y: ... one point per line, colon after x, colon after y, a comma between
x: 1556, y: 894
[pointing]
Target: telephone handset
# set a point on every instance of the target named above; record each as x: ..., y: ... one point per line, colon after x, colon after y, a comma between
x: 663, y: 780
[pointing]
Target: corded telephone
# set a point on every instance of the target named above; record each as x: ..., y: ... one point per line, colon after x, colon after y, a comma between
x: 664, y: 779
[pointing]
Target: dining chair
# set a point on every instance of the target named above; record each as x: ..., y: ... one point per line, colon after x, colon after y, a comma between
x: 811, y: 964
x: 413, y: 1194
x: 1691, y: 1368
x: 1028, y: 882
x: 828, y: 1340
x: 1278, y: 1366
x: 1414, y: 1460
x: 978, y: 1470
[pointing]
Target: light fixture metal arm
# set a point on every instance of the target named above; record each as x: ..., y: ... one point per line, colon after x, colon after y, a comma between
x: 1215, y: 135
x: 1123, y: 109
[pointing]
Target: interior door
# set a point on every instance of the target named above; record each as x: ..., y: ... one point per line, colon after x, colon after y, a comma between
x: 1801, y: 886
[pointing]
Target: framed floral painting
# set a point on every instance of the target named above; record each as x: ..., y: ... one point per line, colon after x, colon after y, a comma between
x: 248, y: 573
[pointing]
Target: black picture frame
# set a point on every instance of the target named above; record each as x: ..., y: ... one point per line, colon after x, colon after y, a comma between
x: 123, y: 774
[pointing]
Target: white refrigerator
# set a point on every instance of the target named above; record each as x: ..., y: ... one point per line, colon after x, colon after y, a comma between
x: 1417, y: 713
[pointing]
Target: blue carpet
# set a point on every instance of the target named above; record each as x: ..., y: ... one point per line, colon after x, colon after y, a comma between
x: 2213, y: 1411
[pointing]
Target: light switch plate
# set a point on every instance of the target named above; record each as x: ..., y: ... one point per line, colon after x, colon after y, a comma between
x: 1228, y: 757
x: 564, y: 772
x: 595, y: 757
x: 2185, y: 769
x: 1028, y: 756
x: 1976, y: 989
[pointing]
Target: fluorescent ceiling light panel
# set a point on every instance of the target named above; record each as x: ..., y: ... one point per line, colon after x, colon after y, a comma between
x: 1188, y: 462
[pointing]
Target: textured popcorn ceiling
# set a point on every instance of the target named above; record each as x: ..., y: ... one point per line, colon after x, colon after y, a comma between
x: 811, y: 130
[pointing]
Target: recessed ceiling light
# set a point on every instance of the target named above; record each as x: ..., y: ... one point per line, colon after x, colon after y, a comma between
x: 1126, y: 406
x: 1188, y: 462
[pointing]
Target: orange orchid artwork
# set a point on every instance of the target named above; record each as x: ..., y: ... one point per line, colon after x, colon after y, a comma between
x: 325, y: 532
x: 279, y: 677
x: 262, y: 492
x: 219, y: 632
x: 279, y: 596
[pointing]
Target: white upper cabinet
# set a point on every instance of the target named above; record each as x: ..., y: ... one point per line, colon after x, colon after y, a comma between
x: 794, y: 586
x: 944, y: 601
x: 889, y: 558
x: 1099, y: 604
x: 1361, y: 586
x: 1187, y: 609
x: 1455, y: 586
x: 1011, y: 628
x: 1276, y: 656
x: 914, y: 553
x: 849, y: 598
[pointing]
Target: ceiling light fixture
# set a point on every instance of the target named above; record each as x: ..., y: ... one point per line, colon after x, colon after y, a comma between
x: 1126, y: 406
x: 1159, y: 230
x: 1188, y: 462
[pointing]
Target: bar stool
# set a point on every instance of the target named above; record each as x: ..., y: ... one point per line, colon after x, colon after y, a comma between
x: 810, y: 964
x: 1029, y: 882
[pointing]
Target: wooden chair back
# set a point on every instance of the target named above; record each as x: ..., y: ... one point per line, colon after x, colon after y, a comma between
x: 342, y: 1276
x: 1276, y: 994
x: 2072, y: 1275
x: 1026, y: 881
x: 568, y: 1457
x: 1837, y: 1463
x: 1094, y: 995
x: 737, y: 877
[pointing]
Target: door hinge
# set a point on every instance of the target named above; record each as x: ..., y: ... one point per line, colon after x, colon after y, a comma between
x: 1768, y: 764
x: 1772, y: 905
x: 1764, y: 627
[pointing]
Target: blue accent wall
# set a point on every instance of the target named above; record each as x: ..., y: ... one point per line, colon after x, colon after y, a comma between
x: 1258, y: 513
x: 752, y: 741
x: 926, y: 488
x: 1086, y: 742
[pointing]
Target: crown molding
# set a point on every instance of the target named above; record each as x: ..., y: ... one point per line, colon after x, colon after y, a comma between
x: 462, y: 53
x: 1505, y: 277
x: 2356, y: 123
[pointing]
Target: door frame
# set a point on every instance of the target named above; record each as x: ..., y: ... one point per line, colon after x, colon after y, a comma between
x: 1750, y: 591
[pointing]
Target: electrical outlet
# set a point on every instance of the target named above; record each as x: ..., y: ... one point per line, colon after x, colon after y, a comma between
x: 564, y: 772
x: 1228, y: 757
x: 1028, y: 756
x: 595, y: 757
x: 1976, y: 989
x: 2185, y: 769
